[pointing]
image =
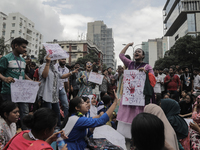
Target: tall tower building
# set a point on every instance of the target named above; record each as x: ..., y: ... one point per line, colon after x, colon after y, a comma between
x: 180, y: 18
x: 16, y: 25
x: 100, y: 35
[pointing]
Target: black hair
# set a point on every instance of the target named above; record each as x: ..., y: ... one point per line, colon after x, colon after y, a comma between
x: 43, y: 118
x: 128, y: 56
x: 171, y: 68
x: 149, y: 128
x: 41, y: 61
x: 104, y: 71
x: 165, y: 94
x: 102, y: 94
x: 179, y: 68
x: 106, y: 99
x: 196, y: 69
x: 7, y: 107
x: 75, y: 102
x: 33, y: 63
x: 95, y: 69
x: 85, y: 98
x: 19, y: 41
x: 77, y: 63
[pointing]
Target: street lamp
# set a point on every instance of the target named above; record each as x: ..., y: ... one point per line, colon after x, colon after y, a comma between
x: 134, y: 47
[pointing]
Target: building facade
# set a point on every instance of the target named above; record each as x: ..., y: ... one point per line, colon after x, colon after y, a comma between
x: 16, y: 25
x: 180, y: 18
x: 154, y: 49
x: 100, y: 35
x: 77, y: 49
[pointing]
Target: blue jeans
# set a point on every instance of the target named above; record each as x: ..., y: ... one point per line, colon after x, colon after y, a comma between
x: 23, y: 109
x: 55, y: 107
x: 64, y: 100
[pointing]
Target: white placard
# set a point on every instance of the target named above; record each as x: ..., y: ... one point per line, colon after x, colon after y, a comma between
x: 133, y: 83
x: 55, y: 51
x: 95, y: 78
x: 24, y: 91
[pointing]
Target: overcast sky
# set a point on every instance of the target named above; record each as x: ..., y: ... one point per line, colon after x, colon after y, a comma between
x: 131, y: 20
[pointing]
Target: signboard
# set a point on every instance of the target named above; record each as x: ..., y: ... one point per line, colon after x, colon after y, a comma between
x: 95, y: 78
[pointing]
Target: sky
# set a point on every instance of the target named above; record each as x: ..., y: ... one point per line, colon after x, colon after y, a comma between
x: 131, y: 20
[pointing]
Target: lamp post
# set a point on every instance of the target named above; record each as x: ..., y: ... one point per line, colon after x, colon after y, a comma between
x: 134, y: 47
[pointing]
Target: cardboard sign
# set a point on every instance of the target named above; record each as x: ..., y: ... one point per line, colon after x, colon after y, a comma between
x: 95, y: 78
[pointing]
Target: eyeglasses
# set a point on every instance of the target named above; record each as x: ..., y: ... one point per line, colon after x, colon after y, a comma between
x: 89, y: 64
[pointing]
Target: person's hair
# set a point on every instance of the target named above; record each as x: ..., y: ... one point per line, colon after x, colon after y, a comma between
x: 33, y: 63
x: 196, y: 69
x: 171, y: 68
x: 41, y: 61
x: 179, y: 69
x: 102, y: 94
x: 95, y: 69
x: 106, y: 99
x: 19, y: 41
x: 77, y: 63
x: 7, y: 107
x: 43, y: 118
x: 127, y: 56
x: 75, y: 102
x: 165, y: 95
x: 85, y: 98
x: 104, y: 71
x: 149, y: 128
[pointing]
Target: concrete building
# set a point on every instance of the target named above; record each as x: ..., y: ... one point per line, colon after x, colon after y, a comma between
x: 77, y: 49
x: 180, y: 18
x: 154, y: 49
x: 16, y: 25
x: 100, y: 35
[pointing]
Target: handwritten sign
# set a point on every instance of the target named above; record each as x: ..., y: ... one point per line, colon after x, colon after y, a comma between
x: 55, y: 51
x: 95, y: 78
x: 133, y: 88
x: 24, y: 91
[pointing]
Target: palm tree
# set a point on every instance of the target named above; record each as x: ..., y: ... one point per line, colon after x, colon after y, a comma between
x: 4, y: 48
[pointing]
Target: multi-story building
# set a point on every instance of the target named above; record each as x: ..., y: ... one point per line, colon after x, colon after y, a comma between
x: 154, y: 49
x: 77, y: 49
x: 16, y: 25
x: 100, y: 35
x: 180, y: 18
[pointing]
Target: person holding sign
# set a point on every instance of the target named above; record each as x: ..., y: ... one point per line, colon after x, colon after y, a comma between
x: 83, y: 77
x: 49, y: 89
x: 13, y: 66
x: 127, y: 113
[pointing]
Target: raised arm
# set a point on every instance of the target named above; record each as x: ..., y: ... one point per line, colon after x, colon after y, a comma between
x: 125, y: 48
x: 46, y: 68
x: 125, y: 60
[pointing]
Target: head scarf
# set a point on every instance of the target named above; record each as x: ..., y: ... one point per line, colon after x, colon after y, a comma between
x: 171, y: 109
x: 170, y: 135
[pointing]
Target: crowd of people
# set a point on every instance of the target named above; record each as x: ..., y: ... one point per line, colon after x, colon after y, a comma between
x: 68, y: 103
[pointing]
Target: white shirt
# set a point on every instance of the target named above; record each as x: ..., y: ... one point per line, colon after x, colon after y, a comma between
x: 62, y: 71
x: 162, y: 80
x: 196, y: 82
x: 157, y: 87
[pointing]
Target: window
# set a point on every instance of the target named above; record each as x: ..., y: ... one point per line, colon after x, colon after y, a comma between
x: 12, y: 31
x: 4, y: 25
x: 20, y: 32
x: 67, y: 46
x: 74, y: 47
x: 21, y: 19
x: 13, y: 24
x: 62, y: 46
x: 81, y: 55
x: 29, y: 25
x: 35, y: 52
x: 3, y: 32
x: 14, y: 18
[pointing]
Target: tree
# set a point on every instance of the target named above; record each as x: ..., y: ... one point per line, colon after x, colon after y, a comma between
x: 4, y: 48
x: 185, y: 52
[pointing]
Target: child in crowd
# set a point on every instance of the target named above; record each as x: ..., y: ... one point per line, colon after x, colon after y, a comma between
x: 183, y: 94
x: 87, y: 100
x: 93, y: 108
x: 100, y: 104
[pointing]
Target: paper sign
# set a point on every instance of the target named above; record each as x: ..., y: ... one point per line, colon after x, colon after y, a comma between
x: 55, y: 51
x: 95, y: 78
x: 24, y: 91
x: 133, y: 82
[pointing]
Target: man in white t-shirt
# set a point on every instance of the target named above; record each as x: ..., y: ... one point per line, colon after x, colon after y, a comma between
x: 157, y: 87
x: 196, y: 81
x: 63, y: 85
x: 162, y: 76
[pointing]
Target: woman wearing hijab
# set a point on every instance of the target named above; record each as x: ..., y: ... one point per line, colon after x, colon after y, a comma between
x: 194, y: 127
x: 170, y: 135
x: 171, y: 109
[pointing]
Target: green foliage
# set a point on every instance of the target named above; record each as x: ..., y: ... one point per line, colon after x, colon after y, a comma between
x: 104, y: 66
x: 4, y: 48
x: 42, y: 53
x: 185, y: 52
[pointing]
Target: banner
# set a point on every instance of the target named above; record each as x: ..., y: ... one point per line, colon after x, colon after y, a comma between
x: 55, y: 51
x: 24, y: 91
x: 133, y: 83
x: 95, y: 78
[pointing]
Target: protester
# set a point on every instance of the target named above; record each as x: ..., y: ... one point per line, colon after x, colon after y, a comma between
x: 127, y: 113
x: 73, y: 84
x: 36, y: 74
x: 42, y: 124
x: 186, y: 106
x: 147, y: 132
x: 157, y: 87
x: 63, y: 85
x: 162, y: 76
x: 170, y: 135
x: 13, y: 66
x: 171, y: 109
x: 196, y: 81
x: 29, y: 71
x: 93, y: 108
x: 85, y: 85
x: 172, y: 82
x: 180, y: 72
x: 183, y: 95
x: 9, y: 115
x: 87, y: 100
x: 187, y: 81
x: 77, y: 107
x: 48, y: 91
x: 106, y: 81
x: 110, y: 75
